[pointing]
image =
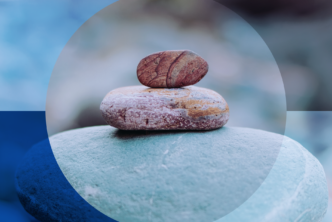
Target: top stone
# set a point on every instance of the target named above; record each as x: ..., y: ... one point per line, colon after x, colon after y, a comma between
x: 171, y: 69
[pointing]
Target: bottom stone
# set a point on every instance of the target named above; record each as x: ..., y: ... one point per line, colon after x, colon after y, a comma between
x: 173, y: 176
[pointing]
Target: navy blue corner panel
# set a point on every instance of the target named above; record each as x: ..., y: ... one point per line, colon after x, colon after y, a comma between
x: 38, y: 184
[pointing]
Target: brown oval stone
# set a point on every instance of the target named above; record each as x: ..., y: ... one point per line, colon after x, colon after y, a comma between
x: 171, y: 69
x: 142, y: 108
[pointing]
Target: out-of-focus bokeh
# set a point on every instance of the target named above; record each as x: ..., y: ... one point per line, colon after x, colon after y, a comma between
x: 104, y: 53
x: 32, y: 35
x: 298, y: 34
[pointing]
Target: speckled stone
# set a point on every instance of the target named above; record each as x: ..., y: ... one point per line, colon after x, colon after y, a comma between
x: 171, y: 69
x: 229, y: 175
x: 46, y: 194
x: 142, y: 108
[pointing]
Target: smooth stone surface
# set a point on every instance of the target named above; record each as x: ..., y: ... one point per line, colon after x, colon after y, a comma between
x: 46, y: 194
x: 218, y: 175
x: 142, y: 108
x: 192, y: 176
x: 295, y: 190
x: 169, y: 69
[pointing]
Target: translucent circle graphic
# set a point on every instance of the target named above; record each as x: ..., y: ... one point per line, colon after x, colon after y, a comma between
x: 104, y: 53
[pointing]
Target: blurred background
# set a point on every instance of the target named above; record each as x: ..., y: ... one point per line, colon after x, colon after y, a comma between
x: 104, y: 52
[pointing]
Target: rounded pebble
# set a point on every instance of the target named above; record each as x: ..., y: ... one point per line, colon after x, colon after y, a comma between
x: 230, y: 174
x: 142, y: 108
x: 171, y: 69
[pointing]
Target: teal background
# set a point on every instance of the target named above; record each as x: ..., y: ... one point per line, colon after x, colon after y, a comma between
x: 32, y: 35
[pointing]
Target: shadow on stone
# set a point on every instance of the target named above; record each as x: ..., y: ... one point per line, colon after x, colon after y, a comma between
x: 134, y: 134
x: 46, y: 194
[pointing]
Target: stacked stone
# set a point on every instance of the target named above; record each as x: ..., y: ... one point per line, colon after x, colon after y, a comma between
x: 171, y: 102
x: 225, y: 175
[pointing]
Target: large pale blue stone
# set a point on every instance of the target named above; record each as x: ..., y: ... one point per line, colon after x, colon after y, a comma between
x: 217, y: 175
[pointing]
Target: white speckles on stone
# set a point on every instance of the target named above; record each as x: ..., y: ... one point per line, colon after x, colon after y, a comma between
x: 90, y: 191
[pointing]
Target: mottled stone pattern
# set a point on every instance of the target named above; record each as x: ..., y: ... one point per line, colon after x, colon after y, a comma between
x: 171, y: 69
x: 142, y: 108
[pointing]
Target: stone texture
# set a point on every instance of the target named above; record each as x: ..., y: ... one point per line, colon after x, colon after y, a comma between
x: 193, y: 176
x: 170, y: 69
x: 295, y: 190
x: 142, y: 108
x: 46, y: 194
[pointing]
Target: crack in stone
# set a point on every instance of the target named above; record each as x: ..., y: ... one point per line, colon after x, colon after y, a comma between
x: 171, y: 67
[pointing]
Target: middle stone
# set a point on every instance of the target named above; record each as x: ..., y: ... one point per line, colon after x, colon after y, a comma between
x: 142, y: 108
